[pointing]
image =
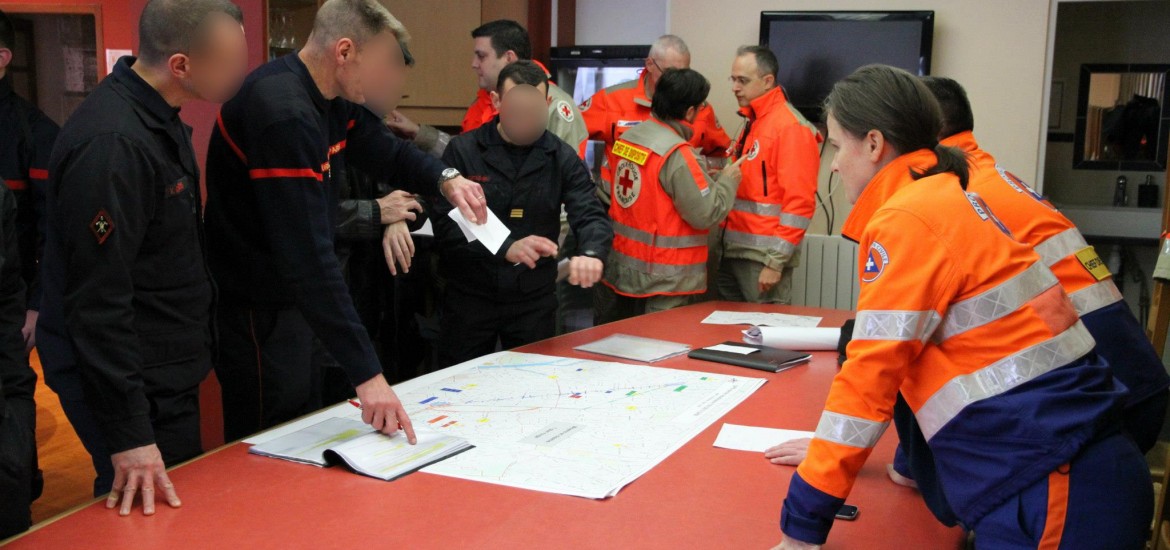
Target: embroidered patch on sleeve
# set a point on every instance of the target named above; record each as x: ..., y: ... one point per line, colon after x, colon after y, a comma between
x: 102, y: 226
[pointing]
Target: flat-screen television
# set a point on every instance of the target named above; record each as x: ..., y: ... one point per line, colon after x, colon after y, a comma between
x: 584, y: 70
x: 815, y: 49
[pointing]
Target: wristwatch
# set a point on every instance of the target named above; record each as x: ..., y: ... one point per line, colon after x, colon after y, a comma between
x: 448, y: 174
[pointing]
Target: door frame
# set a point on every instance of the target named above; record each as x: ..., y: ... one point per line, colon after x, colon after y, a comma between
x: 69, y: 9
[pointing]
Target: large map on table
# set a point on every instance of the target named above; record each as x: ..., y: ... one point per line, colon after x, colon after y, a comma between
x: 570, y: 426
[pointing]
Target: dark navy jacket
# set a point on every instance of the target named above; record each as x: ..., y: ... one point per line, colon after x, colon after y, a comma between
x: 272, y: 199
x: 127, y: 295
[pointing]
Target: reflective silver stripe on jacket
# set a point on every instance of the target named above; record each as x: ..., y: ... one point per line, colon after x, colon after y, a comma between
x: 759, y: 241
x: 659, y: 241
x: 774, y: 210
x: 1001, y: 376
x: 650, y: 268
x: 895, y: 325
x: 849, y: 430
x: 792, y: 220
x: 1060, y: 246
x: 1095, y: 296
x: 997, y: 302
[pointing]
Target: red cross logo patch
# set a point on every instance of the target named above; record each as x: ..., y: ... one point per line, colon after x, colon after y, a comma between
x: 102, y: 226
x: 565, y: 111
x: 629, y: 183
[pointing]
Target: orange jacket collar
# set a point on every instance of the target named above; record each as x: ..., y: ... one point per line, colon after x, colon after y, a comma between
x: 965, y: 142
x: 892, y: 178
x: 764, y: 104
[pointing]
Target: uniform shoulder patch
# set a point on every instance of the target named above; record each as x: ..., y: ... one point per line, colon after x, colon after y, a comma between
x: 1093, y: 263
x: 875, y: 263
x: 565, y: 111
x: 102, y: 226
x: 586, y: 105
x: 627, y: 183
x: 629, y: 152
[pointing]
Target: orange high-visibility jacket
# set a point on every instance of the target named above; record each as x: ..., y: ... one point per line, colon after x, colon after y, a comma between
x: 1084, y: 276
x: 651, y: 238
x: 613, y: 110
x: 775, y: 202
x: 978, y: 336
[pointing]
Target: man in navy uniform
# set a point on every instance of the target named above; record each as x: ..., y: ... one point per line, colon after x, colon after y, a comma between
x: 125, y: 319
x: 271, y: 217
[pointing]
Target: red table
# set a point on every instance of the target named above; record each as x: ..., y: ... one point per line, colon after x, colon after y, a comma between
x: 701, y: 496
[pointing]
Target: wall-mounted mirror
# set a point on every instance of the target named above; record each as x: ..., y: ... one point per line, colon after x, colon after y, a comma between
x: 1122, y: 117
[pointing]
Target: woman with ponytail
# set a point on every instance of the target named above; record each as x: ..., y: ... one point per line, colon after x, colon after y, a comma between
x: 979, y: 338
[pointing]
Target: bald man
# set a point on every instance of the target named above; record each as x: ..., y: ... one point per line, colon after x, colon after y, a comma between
x: 527, y: 174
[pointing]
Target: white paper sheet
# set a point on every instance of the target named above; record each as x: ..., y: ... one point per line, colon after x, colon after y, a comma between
x: 756, y: 318
x: 491, y: 234
x: 753, y: 438
x: 742, y: 350
x: 427, y: 230
x: 794, y: 338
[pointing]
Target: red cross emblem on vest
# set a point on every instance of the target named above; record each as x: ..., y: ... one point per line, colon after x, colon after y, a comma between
x: 629, y: 183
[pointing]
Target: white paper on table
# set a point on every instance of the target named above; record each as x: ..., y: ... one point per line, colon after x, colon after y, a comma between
x: 742, y: 350
x: 491, y: 234
x: 756, y: 318
x: 794, y: 338
x: 427, y: 230
x: 753, y: 438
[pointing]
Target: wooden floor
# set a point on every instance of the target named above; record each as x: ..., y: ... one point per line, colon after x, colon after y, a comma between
x: 68, y: 470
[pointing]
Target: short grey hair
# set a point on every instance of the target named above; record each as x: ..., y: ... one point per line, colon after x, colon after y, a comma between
x: 668, y: 42
x: 357, y: 20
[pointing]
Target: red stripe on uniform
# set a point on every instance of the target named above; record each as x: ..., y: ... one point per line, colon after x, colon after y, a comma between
x: 349, y: 125
x: 266, y: 173
x: 16, y: 185
x: 38, y: 173
x: 1057, y: 509
x: 231, y: 143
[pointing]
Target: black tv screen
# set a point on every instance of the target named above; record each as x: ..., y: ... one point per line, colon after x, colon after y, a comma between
x: 816, y: 49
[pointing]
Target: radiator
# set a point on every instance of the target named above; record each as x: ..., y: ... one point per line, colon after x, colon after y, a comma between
x: 827, y: 274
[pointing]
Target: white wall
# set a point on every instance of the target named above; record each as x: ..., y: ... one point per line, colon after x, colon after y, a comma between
x: 995, y: 48
x: 618, y: 22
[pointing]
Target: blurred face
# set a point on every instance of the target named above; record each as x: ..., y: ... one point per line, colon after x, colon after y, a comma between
x: 5, y: 59
x: 487, y: 64
x: 656, y: 64
x: 858, y: 159
x: 523, y: 112
x: 374, y: 68
x: 746, y: 82
x: 384, y: 91
x: 215, y: 69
